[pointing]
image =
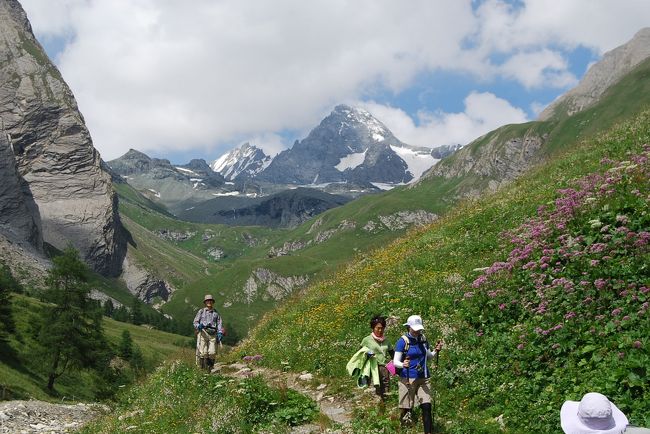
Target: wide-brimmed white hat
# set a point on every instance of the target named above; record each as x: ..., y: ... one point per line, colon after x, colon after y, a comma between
x: 593, y: 414
x: 415, y: 322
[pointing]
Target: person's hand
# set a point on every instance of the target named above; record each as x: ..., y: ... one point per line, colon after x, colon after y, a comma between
x: 438, y: 346
x: 407, y: 362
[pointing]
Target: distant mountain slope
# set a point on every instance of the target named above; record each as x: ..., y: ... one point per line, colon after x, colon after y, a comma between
x: 167, y: 184
x: 285, y: 209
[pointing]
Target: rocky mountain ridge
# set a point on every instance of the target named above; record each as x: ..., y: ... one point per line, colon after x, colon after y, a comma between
x: 600, y: 76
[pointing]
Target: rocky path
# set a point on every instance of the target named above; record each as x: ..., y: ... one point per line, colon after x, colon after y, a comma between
x: 27, y: 417
x: 337, y: 409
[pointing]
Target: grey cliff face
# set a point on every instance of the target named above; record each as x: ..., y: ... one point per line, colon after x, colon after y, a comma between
x: 610, y: 69
x: 53, y: 149
x: 143, y: 284
x: 19, y: 217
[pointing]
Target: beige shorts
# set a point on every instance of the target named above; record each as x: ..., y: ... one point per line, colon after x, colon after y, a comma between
x: 412, y: 390
x: 206, y: 344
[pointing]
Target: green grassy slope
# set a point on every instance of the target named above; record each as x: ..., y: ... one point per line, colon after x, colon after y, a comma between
x: 23, y: 376
x: 430, y: 272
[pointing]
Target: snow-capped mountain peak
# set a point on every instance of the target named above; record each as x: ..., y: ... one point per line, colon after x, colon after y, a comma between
x: 357, y: 116
x: 245, y: 161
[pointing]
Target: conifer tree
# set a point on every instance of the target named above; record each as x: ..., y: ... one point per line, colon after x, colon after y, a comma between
x: 7, y: 285
x: 126, y: 345
x: 109, y: 308
x: 137, y: 317
x: 71, y: 331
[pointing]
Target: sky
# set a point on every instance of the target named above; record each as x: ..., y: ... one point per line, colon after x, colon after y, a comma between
x: 182, y: 80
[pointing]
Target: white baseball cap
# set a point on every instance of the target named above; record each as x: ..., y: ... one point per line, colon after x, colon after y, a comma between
x: 414, y: 322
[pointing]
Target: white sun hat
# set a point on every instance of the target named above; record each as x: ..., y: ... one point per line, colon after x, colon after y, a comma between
x: 593, y: 414
x: 415, y: 322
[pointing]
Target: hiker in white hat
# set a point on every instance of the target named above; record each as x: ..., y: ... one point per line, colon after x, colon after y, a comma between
x: 209, y: 330
x: 411, y: 354
x: 595, y: 414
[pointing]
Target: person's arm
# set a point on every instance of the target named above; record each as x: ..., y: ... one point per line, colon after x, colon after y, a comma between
x: 219, y: 324
x: 197, y: 319
x: 436, y: 350
x: 397, y: 358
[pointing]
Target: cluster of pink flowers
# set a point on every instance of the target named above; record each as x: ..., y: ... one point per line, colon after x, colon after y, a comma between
x: 562, y: 251
x: 254, y: 358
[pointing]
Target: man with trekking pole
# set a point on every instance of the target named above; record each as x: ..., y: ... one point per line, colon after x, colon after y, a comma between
x: 209, y: 331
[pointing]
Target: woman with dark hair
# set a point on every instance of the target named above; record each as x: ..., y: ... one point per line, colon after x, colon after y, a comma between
x: 379, y: 348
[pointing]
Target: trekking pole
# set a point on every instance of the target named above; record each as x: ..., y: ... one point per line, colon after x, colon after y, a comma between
x: 433, y: 413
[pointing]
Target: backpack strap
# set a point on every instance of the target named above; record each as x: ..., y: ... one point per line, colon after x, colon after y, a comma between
x: 407, y: 344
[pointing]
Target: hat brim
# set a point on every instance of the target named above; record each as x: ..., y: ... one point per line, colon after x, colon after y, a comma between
x: 415, y: 327
x: 571, y: 423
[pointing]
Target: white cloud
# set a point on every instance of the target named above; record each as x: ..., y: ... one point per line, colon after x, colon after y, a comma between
x: 171, y: 76
x: 483, y: 113
x: 541, y: 68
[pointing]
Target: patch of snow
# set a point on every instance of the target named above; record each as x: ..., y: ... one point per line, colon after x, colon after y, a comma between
x: 229, y: 193
x: 385, y: 186
x: 187, y: 209
x: 154, y: 192
x: 377, y: 137
x: 351, y: 161
x: 417, y: 161
x: 188, y: 171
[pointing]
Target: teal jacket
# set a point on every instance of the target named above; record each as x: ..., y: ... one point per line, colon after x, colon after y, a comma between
x: 363, y: 368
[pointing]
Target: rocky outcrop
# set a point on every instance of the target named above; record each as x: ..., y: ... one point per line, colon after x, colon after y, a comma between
x: 400, y: 220
x: 609, y: 70
x: 320, y: 237
x: 143, y: 284
x: 288, y: 247
x: 269, y: 285
x: 498, y: 159
x: 53, y: 149
x: 19, y: 217
x: 171, y: 235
